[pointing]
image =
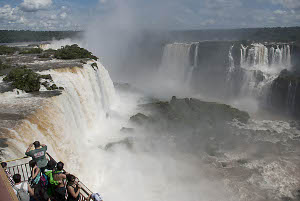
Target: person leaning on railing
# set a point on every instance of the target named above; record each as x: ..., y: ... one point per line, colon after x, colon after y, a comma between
x: 38, y: 154
x: 73, y: 188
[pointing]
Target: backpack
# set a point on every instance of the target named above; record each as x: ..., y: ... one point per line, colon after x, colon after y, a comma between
x: 40, y: 190
x: 44, y: 181
x: 22, y: 195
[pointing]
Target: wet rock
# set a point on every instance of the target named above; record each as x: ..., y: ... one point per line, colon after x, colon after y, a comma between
x: 285, y: 93
x: 140, y: 119
x: 94, y: 66
x: 194, y: 111
x: 127, y: 130
x: 287, y: 199
x: 259, y: 76
x: 242, y: 161
x: 127, y: 142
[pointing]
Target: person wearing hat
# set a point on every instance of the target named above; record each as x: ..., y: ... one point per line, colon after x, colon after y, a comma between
x: 38, y: 154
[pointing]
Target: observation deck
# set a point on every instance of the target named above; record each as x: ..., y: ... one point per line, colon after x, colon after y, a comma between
x: 21, y: 166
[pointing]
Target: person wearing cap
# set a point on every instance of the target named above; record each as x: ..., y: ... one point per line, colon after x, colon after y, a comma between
x: 95, y: 197
x: 38, y: 154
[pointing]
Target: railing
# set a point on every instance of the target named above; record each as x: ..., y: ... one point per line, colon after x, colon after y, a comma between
x: 24, y: 170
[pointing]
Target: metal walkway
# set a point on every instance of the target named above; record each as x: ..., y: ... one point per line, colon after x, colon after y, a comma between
x: 21, y: 166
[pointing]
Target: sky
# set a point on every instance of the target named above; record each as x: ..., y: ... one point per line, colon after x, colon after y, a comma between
x: 147, y: 14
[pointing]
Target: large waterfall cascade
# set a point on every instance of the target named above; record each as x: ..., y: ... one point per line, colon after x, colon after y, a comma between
x: 63, y: 121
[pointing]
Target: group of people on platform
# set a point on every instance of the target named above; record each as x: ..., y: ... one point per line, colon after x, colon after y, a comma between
x: 48, y: 181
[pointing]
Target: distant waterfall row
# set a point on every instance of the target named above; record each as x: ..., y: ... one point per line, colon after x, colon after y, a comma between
x: 261, y: 64
x: 260, y: 55
x: 242, y: 70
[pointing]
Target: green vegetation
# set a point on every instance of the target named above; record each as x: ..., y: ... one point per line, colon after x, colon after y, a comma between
x: 24, y: 79
x: 11, y: 36
x: 73, y: 52
x: 279, y: 34
x: 31, y: 51
x: 7, y: 50
x: 3, y: 66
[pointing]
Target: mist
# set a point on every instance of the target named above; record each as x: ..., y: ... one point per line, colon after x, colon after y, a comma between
x: 222, y: 162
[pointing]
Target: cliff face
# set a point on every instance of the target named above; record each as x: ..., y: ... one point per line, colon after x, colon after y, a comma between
x: 285, y: 93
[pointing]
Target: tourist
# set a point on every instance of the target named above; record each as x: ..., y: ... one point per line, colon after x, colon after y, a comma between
x: 39, y: 182
x: 9, y: 176
x: 35, y: 173
x: 73, y: 188
x: 60, y: 175
x: 95, y: 197
x: 49, y: 173
x: 22, y: 189
x: 38, y: 154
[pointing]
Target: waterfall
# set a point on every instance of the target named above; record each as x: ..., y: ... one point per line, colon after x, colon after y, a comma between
x: 263, y: 61
x: 176, y: 68
x: 231, y: 63
x: 194, y: 66
x: 257, y: 56
x: 196, y: 55
x: 62, y: 121
x: 243, y: 55
x: 176, y: 61
x: 260, y: 56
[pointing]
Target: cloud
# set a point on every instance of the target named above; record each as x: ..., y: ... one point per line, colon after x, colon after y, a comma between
x: 63, y: 15
x: 280, y: 12
x: 10, y: 15
x: 35, y: 5
x: 291, y: 4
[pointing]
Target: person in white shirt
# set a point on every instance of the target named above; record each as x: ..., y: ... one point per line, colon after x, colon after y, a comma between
x: 22, y: 189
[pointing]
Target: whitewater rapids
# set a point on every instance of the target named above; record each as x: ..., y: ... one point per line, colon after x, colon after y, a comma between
x: 79, y: 124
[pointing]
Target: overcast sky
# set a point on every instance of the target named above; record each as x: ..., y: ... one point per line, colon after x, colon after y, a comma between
x: 160, y: 14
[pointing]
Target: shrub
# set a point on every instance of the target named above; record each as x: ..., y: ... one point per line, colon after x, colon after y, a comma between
x: 73, y: 52
x: 4, y: 66
x: 24, y: 79
x: 31, y: 51
x: 7, y: 50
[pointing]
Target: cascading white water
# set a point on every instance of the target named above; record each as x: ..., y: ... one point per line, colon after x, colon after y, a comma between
x: 194, y: 66
x: 231, y: 63
x: 260, y: 56
x: 175, y: 61
x: 176, y: 68
x: 259, y: 59
x: 63, y: 121
x: 243, y: 55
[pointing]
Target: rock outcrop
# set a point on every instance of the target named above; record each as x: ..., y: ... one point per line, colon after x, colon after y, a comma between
x: 188, y: 113
x: 285, y: 93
